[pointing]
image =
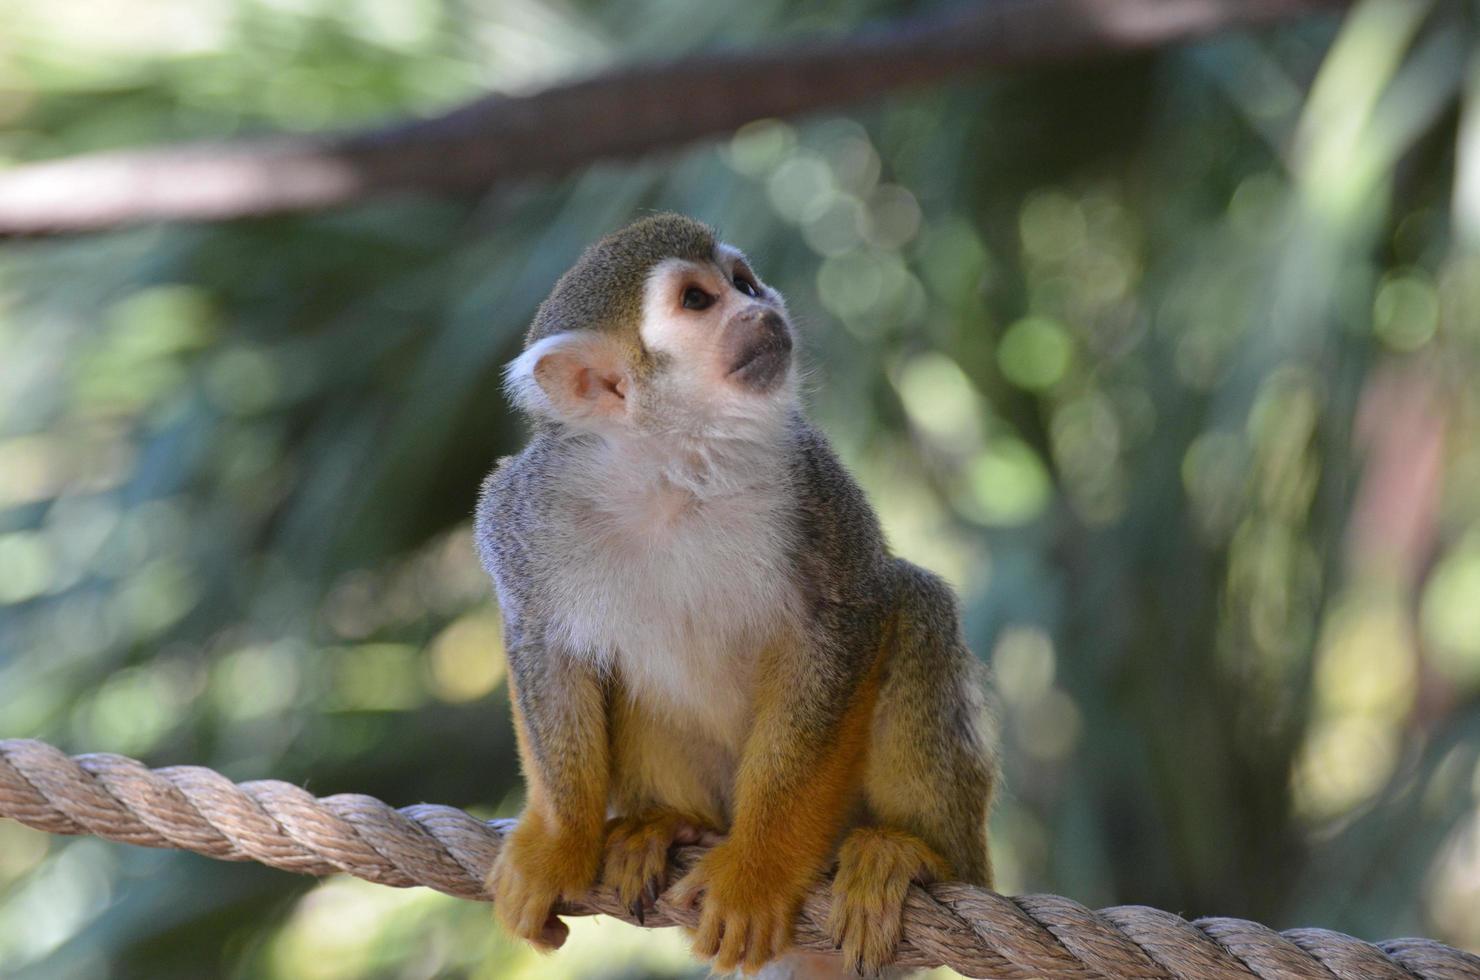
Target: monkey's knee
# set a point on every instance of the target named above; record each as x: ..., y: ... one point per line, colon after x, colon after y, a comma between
x: 876, y: 867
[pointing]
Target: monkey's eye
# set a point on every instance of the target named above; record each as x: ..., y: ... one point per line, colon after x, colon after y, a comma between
x: 695, y: 298
x: 746, y: 285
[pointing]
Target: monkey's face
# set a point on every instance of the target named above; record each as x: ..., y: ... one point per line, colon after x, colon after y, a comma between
x: 715, y: 329
x: 709, y: 349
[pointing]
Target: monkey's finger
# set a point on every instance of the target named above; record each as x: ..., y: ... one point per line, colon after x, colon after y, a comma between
x: 836, y: 921
x: 688, y: 891
x: 510, y: 908
x: 874, y: 946
x: 877, y: 951
x: 653, y: 873
x: 875, y: 955
x: 688, y: 833
x: 851, y: 946
x: 531, y: 921
x: 761, y: 948
x: 658, y: 868
x: 621, y: 875
x: 838, y: 925
x: 853, y: 954
x: 732, y: 949
x: 707, y: 938
x: 781, y: 937
x: 505, y: 895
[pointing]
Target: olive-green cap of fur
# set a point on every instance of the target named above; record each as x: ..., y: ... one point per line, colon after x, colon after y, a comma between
x: 603, y: 290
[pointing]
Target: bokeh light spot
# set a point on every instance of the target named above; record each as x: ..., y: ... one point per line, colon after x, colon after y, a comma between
x: 941, y: 401
x: 1008, y: 484
x: 1035, y: 353
x: 758, y: 147
x: 1451, y: 614
x: 467, y: 658
x: 1405, y: 313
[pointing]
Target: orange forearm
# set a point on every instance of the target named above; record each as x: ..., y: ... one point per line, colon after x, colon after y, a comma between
x: 792, y: 797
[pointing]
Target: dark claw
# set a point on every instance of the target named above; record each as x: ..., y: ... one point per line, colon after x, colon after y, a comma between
x: 637, y: 910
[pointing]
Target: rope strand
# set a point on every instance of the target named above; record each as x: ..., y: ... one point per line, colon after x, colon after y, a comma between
x: 973, y: 931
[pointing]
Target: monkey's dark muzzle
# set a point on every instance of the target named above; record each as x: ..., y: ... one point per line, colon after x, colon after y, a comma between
x: 759, y: 346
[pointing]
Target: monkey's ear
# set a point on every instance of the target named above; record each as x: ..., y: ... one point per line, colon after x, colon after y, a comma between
x: 579, y: 377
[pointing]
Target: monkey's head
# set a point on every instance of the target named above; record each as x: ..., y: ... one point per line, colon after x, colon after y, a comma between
x: 659, y: 328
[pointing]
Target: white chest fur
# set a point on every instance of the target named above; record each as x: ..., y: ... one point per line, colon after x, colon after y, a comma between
x: 677, y: 586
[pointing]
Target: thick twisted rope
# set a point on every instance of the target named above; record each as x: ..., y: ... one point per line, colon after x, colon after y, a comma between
x: 973, y: 931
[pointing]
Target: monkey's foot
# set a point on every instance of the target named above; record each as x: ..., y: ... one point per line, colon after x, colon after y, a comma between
x: 534, y: 870
x: 749, y: 905
x: 875, y: 869
x: 636, y: 865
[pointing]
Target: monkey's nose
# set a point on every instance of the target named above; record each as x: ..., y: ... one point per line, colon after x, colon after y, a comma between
x: 758, y: 348
x: 767, y: 326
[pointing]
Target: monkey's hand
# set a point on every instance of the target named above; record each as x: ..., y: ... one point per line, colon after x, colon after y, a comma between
x: 875, y: 869
x: 537, y: 867
x: 750, y: 903
x: 636, y: 865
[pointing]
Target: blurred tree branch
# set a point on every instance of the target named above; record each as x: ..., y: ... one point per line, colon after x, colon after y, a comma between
x: 620, y: 114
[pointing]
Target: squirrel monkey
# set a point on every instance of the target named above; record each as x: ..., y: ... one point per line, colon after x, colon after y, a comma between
x: 706, y: 632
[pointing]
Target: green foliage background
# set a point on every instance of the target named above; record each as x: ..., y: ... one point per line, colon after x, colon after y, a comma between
x: 1168, y: 362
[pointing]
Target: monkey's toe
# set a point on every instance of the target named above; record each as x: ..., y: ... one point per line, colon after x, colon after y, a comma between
x: 535, y: 870
x: 745, y: 920
x: 523, y: 906
x: 636, y: 862
x: 875, y: 870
